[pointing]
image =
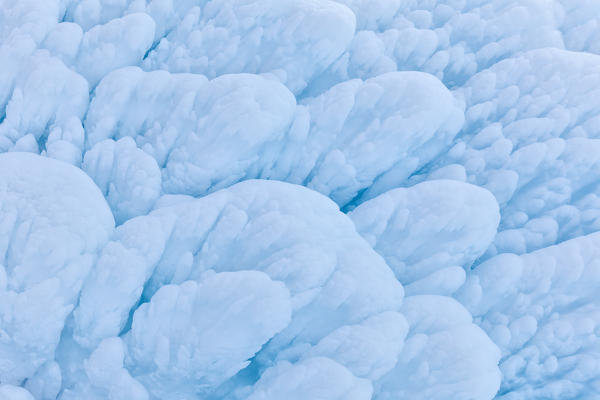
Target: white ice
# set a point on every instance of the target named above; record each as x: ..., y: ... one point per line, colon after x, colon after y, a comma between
x: 299, y: 199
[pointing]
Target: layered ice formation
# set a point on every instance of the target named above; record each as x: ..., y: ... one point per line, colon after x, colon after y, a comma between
x: 299, y: 199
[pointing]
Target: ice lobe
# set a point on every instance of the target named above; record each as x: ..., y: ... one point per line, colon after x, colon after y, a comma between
x: 369, y: 349
x: 116, y: 44
x: 368, y: 137
x: 128, y: 177
x: 580, y: 25
x: 54, y: 220
x: 44, y: 99
x: 288, y: 232
x: 529, y: 121
x: 315, y: 378
x: 430, y: 232
x: 105, y: 376
x: 204, y: 126
x: 292, y: 40
x: 94, y: 53
x: 450, y: 39
x: 29, y: 18
x: 542, y: 310
x: 214, y: 327
x: 9, y: 392
x: 445, y: 356
x: 403, y: 119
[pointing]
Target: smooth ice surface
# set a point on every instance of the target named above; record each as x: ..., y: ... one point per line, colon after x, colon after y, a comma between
x: 299, y: 199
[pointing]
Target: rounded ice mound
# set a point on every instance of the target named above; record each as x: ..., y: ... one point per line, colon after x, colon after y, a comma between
x: 9, y: 392
x: 118, y: 43
x: 292, y: 40
x: 287, y: 232
x: 53, y: 221
x: 194, y: 128
x: 29, y: 18
x: 313, y: 378
x: 368, y: 137
x: 450, y: 39
x: 43, y: 99
x: 580, y: 25
x: 445, y: 356
x: 103, y: 376
x: 216, y: 325
x: 429, y: 233
x: 355, y: 141
x: 531, y: 124
x: 128, y: 177
x: 542, y: 311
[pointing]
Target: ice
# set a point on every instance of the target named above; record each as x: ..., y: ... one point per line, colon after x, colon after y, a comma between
x: 45, y: 95
x: 10, y: 392
x: 311, y: 199
x: 541, y: 309
x: 527, y: 116
x: 106, y: 378
x: 210, y: 336
x: 449, y: 39
x: 580, y: 25
x: 256, y: 122
x: 259, y: 225
x: 116, y: 44
x: 53, y: 222
x: 30, y: 18
x: 368, y: 137
x: 47, y: 381
x: 205, y: 125
x: 431, y: 232
x: 293, y: 40
x: 316, y: 378
x: 236, y: 229
x: 129, y: 178
x: 445, y: 356
x: 369, y: 349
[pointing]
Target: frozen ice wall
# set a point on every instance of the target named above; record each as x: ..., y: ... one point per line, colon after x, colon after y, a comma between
x: 299, y: 199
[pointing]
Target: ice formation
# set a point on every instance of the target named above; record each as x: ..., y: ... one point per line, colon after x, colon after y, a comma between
x: 299, y: 199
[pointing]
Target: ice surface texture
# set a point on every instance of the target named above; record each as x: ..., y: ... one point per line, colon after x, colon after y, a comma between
x: 299, y: 199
